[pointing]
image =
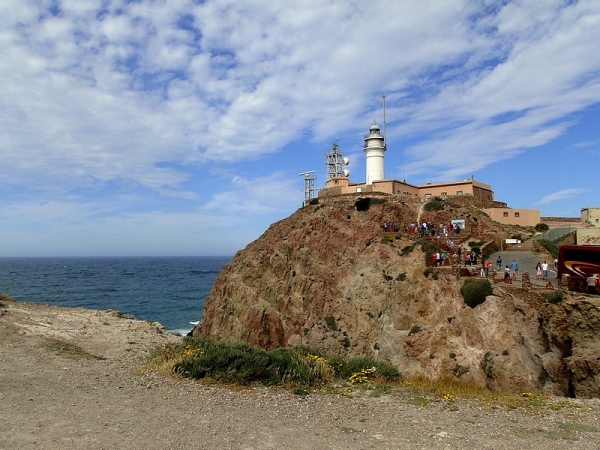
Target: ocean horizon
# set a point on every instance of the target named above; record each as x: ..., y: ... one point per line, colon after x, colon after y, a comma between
x: 170, y: 289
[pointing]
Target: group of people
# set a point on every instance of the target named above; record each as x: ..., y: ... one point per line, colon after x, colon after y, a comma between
x: 541, y: 271
x: 388, y: 227
x: 429, y: 229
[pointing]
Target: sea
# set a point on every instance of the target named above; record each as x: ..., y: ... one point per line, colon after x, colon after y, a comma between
x: 169, y: 290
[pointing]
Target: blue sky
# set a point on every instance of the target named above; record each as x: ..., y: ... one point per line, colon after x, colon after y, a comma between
x: 180, y: 127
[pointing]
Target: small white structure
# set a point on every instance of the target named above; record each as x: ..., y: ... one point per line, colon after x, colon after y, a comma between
x: 374, y: 148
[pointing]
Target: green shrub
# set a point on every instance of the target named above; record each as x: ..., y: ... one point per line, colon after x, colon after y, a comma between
x: 300, y: 367
x: 313, y: 201
x: 430, y: 270
x: 407, y: 250
x: 555, y: 296
x: 386, y: 240
x: 401, y: 276
x: 550, y: 246
x: 474, y: 292
x: 541, y: 227
x: 476, y: 246
x: 433, y: 205
x: 345, y: 342
x: 330, y: 321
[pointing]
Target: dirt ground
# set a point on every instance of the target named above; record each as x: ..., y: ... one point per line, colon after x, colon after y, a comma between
x: 52, y: 396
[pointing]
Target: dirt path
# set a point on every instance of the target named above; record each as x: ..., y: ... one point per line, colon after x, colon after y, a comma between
x: 53, y: 398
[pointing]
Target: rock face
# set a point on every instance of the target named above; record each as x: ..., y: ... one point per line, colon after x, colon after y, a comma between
x: 328, y: 276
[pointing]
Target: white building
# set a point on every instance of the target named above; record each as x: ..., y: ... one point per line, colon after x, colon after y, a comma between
x: 374, y: 148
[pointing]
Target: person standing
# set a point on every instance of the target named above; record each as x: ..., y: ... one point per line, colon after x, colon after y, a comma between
x: 499, y: 262
x: 514, y: 268
x: 538, y: 271
x: 545, y: 270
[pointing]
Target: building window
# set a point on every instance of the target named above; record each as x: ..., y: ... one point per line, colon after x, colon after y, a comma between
x: 444, y: 193
x: 427, y: 195
x: 516, y: 214
x: 458, y: 192
x: 505, y: 214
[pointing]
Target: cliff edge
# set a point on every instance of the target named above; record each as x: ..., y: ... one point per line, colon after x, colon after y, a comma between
x: 329, y: 276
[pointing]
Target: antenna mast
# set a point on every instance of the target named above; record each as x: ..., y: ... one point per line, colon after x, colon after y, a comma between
x: 309, y: 186
x: 384, y: 129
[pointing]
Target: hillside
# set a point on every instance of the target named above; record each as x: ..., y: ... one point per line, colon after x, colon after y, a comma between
x: 329, y: 276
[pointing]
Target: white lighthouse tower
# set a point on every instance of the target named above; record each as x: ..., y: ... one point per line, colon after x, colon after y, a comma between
x: 374, y: 148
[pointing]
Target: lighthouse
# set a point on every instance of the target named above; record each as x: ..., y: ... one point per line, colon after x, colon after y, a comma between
x: 374, y: 148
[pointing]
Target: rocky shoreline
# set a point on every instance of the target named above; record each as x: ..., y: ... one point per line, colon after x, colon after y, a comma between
x: 106, y: 398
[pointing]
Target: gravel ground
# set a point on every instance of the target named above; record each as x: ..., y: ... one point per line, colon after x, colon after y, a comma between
x: 51, y: 398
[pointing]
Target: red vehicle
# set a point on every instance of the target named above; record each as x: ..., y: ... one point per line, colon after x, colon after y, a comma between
x: 582, y: 264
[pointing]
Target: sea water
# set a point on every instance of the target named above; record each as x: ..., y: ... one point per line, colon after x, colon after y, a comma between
x: 169, y: 290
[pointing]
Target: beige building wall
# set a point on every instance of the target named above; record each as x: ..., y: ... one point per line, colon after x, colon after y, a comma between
x: 479, y: 190
x: 588, y: 236
x: 591, y: 216
x: 510, y: 216
x: 342, y: 185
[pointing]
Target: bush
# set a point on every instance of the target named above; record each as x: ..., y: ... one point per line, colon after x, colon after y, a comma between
x: 433, y: 205
x: 386, y: 240
x: 330, y: 321
x: 541, y: 227
x: 5, y: 298
x: 474, y: 292
x: 431, y: 271
x: 550, y: 246
x: 240, y: 363
x: 313, y: 201
x: 476, y: 246
x: 555, y: 296
x: 407, y: 250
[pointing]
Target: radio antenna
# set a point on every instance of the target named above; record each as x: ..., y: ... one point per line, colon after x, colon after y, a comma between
x: 384, y: 129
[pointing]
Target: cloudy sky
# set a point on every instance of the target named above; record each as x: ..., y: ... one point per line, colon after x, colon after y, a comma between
x: 179, y: 127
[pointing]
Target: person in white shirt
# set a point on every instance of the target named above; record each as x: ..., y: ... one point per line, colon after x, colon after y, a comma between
x: 545, y: 270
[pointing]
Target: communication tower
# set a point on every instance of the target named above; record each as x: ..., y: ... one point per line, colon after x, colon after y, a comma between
x: 309, y: 185
x: 335, y: 162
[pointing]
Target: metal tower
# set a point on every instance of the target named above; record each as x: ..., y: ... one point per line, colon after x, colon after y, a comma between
x: 335, y: 162
x: 309, y: 185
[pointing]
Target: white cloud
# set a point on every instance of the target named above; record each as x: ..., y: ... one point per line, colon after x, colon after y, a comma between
x: 563, y: 194
x: 152, y: 96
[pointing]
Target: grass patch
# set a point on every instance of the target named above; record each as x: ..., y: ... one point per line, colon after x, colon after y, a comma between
x: 550, y: 246
x: 239, y: 363
x: 66, y: 349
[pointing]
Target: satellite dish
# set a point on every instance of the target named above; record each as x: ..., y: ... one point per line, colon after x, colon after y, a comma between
x: 346, y: 161
x: 346, y: 173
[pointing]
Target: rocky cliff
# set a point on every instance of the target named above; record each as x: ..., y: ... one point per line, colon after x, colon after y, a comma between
x: 328, y: 276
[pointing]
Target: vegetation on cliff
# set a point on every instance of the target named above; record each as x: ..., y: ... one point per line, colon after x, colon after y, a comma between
x: 241, y: 363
